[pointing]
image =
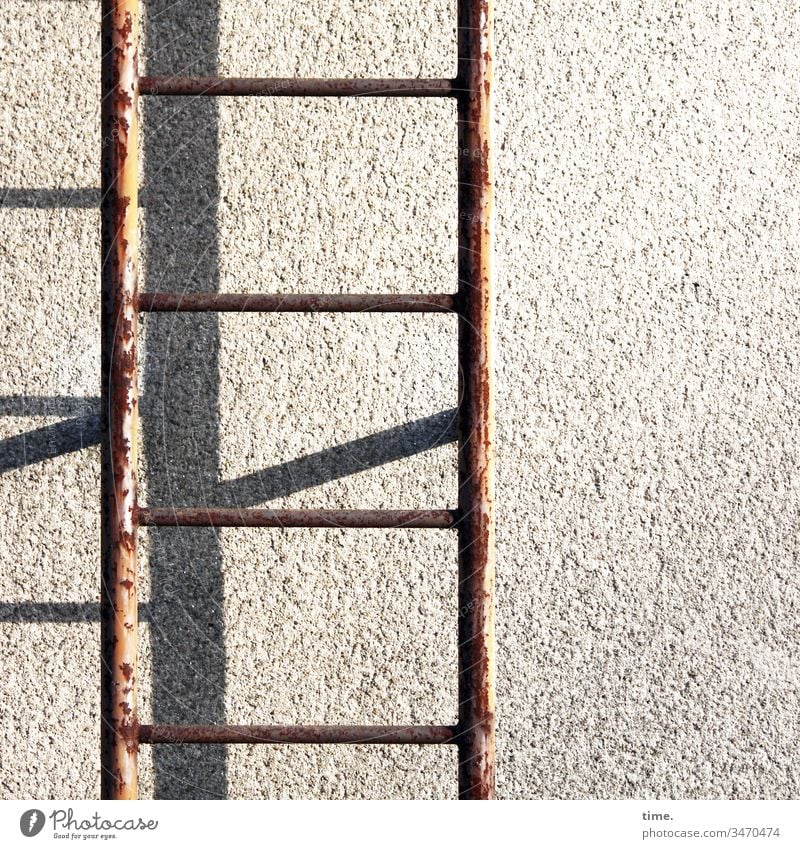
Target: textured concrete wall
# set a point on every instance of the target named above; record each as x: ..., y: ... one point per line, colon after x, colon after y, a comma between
x: 647, y: 233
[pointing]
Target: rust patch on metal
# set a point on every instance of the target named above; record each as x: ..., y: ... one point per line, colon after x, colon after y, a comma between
x: 223, y: 302
x: 119, y: 211
x: 217, y: 517
x: 476, y: 411
x: 304, y: 734
x: 292, y: 87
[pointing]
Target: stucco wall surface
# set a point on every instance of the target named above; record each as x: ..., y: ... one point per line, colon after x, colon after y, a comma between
x: 648, y: 346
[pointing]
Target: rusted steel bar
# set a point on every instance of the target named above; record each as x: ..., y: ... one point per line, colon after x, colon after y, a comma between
x: 365, y: 734
x: 215, y: 302
x: 476, y: 428
x: 279, y: 87
x: 118, y: 599
x: 219, y: 517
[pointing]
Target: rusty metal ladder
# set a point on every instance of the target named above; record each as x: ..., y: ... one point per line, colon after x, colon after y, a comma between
x: 122, y: 515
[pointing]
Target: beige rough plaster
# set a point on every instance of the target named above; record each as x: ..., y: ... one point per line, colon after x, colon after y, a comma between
x: 647, y: 398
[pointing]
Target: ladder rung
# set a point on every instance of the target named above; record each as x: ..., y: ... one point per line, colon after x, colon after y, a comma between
x: 222, y: 302
x: 220, y: 517
x: 376, y: 734
x: 277, y: 87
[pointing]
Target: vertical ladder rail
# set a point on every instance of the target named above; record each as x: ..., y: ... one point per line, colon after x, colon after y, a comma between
x: 476, y: 768
x: 119, y: 317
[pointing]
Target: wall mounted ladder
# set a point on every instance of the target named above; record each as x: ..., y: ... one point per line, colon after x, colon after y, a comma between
x: 122, y: 515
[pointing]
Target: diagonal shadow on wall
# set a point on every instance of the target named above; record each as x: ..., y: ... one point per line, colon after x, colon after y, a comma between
x: 173, y: 620
x: 280, y: 481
